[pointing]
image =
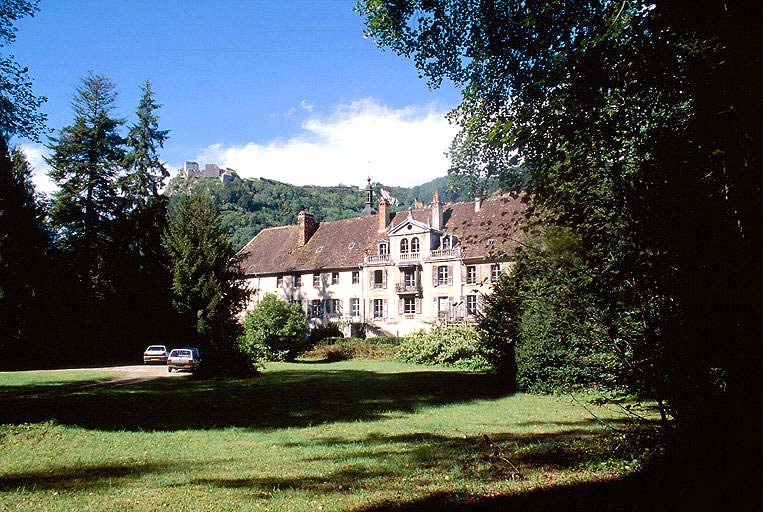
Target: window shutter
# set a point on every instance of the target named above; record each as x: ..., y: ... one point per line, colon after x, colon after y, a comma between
x: 400, y: 306
x: 384, y: 278
x: 371, y: 308
x: 384, y: 308
x: 371, y: 279
x: 450, y: 274
x: 339, y: 305
x: 434, y: 276
x: 435, y: 310
x: 418, y: 306
x: 463, y: 272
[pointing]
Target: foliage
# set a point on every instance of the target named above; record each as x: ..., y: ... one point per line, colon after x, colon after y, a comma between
x: 23, y: 254
x: 207, y: 287
x: 274, y: 331
x: 341, y: 349
x: 459, y: 346
x: 19, y: 107
x: 321, y: 332
x: 85, y: 162
x: 639, y: 125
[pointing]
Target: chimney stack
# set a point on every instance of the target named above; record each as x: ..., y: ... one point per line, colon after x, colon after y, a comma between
x: 436, y: 210
x: 384, y: 214
x: 306, y: 224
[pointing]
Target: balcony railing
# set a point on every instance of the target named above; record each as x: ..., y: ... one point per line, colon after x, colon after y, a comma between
x: 454, y: 252
x: 410, y: 256
x: 407, y: 288
x: 377, y: 258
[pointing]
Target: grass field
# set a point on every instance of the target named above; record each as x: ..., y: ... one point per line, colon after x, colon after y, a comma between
x: 342, y: 436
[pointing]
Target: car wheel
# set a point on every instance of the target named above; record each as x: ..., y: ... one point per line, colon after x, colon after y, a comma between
x: 169, y: 370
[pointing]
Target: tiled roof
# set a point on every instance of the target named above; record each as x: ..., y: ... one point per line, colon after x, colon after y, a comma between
x: 342, y: 243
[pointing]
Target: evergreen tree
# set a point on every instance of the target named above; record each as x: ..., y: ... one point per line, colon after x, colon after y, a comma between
x: 86, y: 162
x: 23, y: 251
x: 207, y: 285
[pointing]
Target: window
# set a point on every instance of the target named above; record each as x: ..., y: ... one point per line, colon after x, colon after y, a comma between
x: 471, y: 305
x: 383, y: 249
x: 334, y: 307
x: 442, y: 276
x: 404, y: 246
x: 446, y: 242
x: 355, y: 307
x: 471, y: 274
x: 409, y: 305
x: 414, y: 244
x: 355, y: 276
x: 297, y: 280
x: 335, y: 278
x: 316, y: 308
x: 495, y: 268
x: 409, y: 279
x: 279, y: 281
x: 316, y: 280
x: 378, y: 308
x: 378, y: 279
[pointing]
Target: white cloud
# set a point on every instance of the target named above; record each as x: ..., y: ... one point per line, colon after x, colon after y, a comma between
x: 34, y: 155
x: 402, y: 147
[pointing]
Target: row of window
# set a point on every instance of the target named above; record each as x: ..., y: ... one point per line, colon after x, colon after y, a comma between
x: 318, y: 279
x: 317, y: 308
x: 413, y: 246
x: 441, y: 276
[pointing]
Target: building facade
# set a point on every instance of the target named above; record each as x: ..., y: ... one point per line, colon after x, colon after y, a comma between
x: 389, y: 273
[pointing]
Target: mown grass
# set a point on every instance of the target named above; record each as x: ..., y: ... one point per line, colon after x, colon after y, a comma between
x: 24, y: 382
x: 351, y: 435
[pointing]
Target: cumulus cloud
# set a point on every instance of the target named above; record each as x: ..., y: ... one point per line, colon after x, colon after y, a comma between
x: 397, y: 146
x: 35, y: 156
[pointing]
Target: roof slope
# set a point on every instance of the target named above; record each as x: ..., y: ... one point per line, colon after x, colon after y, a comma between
x: 342, y: 243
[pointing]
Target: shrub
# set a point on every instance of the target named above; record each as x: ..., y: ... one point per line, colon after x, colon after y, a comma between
x: 320, y: 333
x: 459, y: 346
x: 274, y: 330
x: 342, y: 349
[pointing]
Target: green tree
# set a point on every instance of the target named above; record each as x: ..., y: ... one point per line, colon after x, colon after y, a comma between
x: 23, y: 259
x: 274, y: 330
x: 639, y: 126
x: 207, y: 286
x: 86, y: 161
x: 19, y: 107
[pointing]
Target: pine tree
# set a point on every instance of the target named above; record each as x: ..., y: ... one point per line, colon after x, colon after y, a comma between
x: 23, y: 247
x: 207, y: 285
x: 86, y: 162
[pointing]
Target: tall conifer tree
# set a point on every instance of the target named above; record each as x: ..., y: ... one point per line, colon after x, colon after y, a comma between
x: 86, y: 161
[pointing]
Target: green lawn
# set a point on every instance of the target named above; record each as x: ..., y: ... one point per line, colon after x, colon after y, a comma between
x: 15, y: 383
x: 343, y: 436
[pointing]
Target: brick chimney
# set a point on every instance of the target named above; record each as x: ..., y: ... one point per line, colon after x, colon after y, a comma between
x: 384, y: 214
x: 306, y: 225
x: 436, y: 210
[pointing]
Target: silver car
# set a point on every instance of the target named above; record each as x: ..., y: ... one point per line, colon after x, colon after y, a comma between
x: 155, y: 354
x: 183, y: 359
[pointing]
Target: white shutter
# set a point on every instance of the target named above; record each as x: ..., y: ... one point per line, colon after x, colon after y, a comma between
x: 450, y: 274
x: 434, y: 275
x: 384, y: 308
x: 418, y: 306
x: 384, y: 278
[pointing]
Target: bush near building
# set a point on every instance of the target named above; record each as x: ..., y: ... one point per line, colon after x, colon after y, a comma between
x: 274, y: 331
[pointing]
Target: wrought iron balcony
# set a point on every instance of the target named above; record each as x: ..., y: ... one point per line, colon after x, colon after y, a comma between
x: 408, y: 288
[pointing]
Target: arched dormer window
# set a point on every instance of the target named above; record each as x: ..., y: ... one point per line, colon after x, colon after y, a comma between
x: 415, y: 244
x: 446, y: 242
x: 383, y: 249
x: 403, y: 246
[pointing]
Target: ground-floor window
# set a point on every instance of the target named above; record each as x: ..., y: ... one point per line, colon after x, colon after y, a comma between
x: 471, y: 305
x: 409, y: 305
x: 355, y: 307
x: 316, y: 308
x: 379, y: 308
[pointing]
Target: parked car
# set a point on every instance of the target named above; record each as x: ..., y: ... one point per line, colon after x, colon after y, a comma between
x: 155, y: 354
x: 183, y: 359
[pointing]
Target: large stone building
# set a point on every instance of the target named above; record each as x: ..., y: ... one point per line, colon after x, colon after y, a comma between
x: 391, y: 273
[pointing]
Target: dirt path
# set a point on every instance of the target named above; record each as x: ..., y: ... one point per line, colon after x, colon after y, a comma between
x: 126, y: 375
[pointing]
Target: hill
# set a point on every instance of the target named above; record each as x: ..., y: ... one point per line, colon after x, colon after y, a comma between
x: 250, y: 205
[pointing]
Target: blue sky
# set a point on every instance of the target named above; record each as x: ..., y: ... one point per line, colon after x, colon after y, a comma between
x: 289, y: 90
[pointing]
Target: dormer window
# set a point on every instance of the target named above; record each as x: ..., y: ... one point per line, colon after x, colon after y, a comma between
x: 383, y: 249
x: 446, y: 242
x: 404, y: 246
x: 414, y: 244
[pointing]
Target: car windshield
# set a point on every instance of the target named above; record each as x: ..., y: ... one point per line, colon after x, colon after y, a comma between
x: 180, y: 353
x: 155, y: 348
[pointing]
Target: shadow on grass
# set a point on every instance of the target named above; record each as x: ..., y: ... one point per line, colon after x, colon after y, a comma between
x: 276, y: 399
x: 79, y: 478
